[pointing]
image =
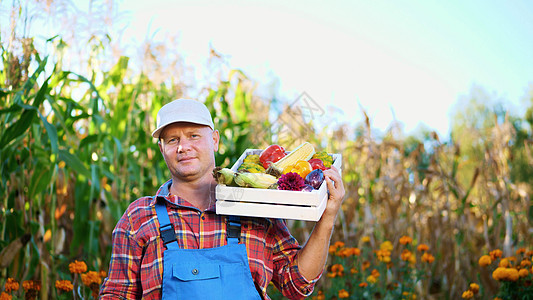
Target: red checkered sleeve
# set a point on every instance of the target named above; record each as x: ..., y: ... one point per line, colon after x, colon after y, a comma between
x: 287, y: 276
x: 124, y: 278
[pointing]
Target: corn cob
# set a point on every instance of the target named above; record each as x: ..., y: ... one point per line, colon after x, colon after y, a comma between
x: 303, y: 152
x: 223, y: 175
x: 255, y: 180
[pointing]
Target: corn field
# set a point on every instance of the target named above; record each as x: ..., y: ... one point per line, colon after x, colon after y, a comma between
x: 75, y: 150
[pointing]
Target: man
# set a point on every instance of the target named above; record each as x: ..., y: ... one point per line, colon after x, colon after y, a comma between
x: 174, y: 245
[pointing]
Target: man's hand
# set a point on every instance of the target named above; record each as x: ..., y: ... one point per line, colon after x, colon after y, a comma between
x: 336, y: 193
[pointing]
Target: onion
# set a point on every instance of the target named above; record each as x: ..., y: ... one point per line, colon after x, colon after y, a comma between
x: 315, y: 178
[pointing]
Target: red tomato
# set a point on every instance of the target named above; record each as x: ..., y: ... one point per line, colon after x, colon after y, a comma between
x: 317, y: 163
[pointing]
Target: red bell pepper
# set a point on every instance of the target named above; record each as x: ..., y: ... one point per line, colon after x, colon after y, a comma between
x: 271, y: 154
x: 317, y: 163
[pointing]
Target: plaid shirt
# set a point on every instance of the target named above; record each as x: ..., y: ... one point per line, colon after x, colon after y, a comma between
x: 136, y: 267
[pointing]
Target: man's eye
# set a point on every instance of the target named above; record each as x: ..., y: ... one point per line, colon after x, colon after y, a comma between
x: 171, y: 141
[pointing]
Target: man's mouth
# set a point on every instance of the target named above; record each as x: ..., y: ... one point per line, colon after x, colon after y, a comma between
x: 185, y: 159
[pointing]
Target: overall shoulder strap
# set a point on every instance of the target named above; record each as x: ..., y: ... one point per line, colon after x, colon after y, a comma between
x: 168, y: 235
x: 234, y: 229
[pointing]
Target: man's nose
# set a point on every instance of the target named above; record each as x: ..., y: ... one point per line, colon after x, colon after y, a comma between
x: 183, y: 146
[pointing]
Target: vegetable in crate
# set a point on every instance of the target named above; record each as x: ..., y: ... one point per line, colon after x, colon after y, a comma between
x: 255, y: 180
x: 301, y: 167
x: 253, y: 158
x: 291, y: 182
x: 307, y: 188
x: 271, y: 154
x: 324, y: 157
x: 317, y: 164
x: 303, y: 152
x: 223, y: 175
x: 251, y: 167
x: 315, y: 178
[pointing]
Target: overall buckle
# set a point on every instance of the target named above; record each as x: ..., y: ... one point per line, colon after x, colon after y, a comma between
x: 168, y: 235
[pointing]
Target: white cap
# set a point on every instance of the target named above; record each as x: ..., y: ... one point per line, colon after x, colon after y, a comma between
x: 183, y: 110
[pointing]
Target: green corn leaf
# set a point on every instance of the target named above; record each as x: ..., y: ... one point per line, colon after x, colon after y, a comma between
x: 40, y: 180
x: 26, y: 119
x: 88, y: 140
x: 74, y: 163
x: 51, y: 131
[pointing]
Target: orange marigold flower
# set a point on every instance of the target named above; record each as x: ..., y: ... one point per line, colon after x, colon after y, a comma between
x: 468, y: 294
x: 90, y: 278
x: 523, y: 273
x: 426, y: 257
x: 511, y: 258
x: 512, y: 274
x: 495, y: 254
x: 365, y: 239
x: 344, y: 252
x: 375, y: 273
x: 11, y: 285
x: 5, y: 296
x: 64, y: 285
x: 343, y: 294
x: 408, y: 295
x: 383, y: 255
x: 339, y: 244
x: 365, y: 265
x: 371, y: 279
x: 30, y: 285
x: 406, y: 255
x: 102, y: 274
x: 331, y: 275
x: 474, y: 287
x: 363, y: 284
x: 412, y: 259
x: 386, y: 245
x: 499, y: 274
x: 354, y: 271
x: 520, y: 251
x: 529, y: 253
x: 332, y: 249
x: 338, y: 269
x: 504, y: 263
x: 525, y: 263
x: 484, y: 261
x: 422, y: 248
x: 77, y: 267
x: 404, y: 240
x: 497, y: 298
x: 321, y: 296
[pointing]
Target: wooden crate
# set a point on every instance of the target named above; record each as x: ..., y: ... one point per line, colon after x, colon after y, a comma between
x: 270, y: 203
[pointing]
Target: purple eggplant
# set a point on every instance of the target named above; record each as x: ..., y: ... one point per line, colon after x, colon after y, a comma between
x: 307, y: 188
x: 315, y: 178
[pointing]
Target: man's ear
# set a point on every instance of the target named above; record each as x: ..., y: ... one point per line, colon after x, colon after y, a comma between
x: 216, y: 139
x: 160, y: 146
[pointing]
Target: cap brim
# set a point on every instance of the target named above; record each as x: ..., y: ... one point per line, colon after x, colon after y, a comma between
x: 158, y: 131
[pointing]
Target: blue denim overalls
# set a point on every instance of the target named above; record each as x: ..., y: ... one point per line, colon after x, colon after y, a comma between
x: 214, y: 273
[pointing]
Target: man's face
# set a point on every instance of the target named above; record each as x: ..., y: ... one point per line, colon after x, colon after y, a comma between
x: 188, y: 150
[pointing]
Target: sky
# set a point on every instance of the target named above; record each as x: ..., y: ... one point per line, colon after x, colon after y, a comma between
x: 409, y: 61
